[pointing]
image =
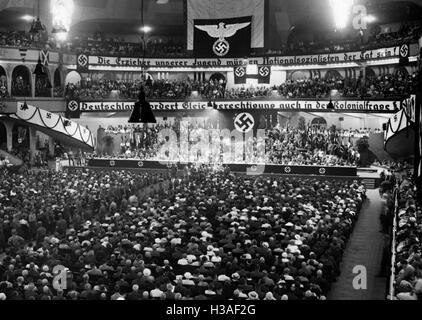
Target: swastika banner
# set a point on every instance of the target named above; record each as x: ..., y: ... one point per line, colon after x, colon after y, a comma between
x: 222, y: 38
x: 264, y: 74
x: 240, y: 75
x: 82, y: 63
x: 247, y: 121
x: 73, y: 110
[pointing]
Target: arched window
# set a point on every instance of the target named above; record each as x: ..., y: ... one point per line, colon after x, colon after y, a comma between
x: 43, y: 84
x: 21, y: 82
x: 370, y: 73
x: 401, y: 70
x: 332, y: 75
x: 3, y: 83
x: 20, y: 140
x: 299, y: 75
x: 73, y: 77
x: 218, y: 77
x: 319, y: 123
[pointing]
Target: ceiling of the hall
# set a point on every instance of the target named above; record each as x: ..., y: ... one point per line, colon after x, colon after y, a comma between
x: 124, y: 16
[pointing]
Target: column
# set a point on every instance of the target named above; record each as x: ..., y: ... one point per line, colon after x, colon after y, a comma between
x: 51, y: 71
x: 9, y: 131
x: 9, y: 74
x: 363, y: 74
x: 32, y: 143
x: 9, y: 84
x: 51, y: 145
x: 33, y: 84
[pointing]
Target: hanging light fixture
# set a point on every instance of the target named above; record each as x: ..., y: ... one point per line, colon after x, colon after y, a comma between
x: 37, y: 26
x: 142, y: 112
x: 39, y: 70
x: 32, y: 30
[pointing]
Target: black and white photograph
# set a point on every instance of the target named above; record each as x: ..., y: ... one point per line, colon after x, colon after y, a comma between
x: 227, y: 153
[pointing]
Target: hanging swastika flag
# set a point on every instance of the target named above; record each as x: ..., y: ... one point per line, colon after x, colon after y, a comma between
x: 82, y: 63
x: 264, y: 74
x: 240, y: 74
x: 244, y: 122
x: 222, y: 38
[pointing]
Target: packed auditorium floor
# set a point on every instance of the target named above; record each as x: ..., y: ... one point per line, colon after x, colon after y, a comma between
x: 132, y: 143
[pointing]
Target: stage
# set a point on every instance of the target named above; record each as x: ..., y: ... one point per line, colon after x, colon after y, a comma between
x: 252, y: 169
x: 367, y: 176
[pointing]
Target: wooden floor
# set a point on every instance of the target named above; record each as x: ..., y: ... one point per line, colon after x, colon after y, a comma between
x: 365, y: 248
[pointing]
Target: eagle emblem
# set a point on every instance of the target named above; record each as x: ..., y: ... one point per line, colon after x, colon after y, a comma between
x: 222, y: 31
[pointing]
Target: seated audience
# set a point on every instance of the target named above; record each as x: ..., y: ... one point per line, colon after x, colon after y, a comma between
x: 209, y: 235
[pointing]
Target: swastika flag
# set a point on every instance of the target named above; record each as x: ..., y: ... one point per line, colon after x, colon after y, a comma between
x: 240, y: 75
x: 264, y: 74
x: 222, y: 38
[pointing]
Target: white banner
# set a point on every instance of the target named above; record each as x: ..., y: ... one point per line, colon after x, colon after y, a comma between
x: 409, y: 106
x: 397, y: 123
x: 223, y: 9
x: 294, y: 105
x: 300, y: 105
x: 26, y: 55
x: 269, y: 61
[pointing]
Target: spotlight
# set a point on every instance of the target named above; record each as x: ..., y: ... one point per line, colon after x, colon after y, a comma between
x: 370, y: 18
x: 61, y: 13
x: 142, y: 112
x: 334, y: 94
x: 59, y: 29
x: 62, y: 36
x: 27, y: 18
x: 341, y: 12
x: 146, y: 29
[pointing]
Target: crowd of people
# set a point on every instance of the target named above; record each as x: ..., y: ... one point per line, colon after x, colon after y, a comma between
x: 158, y: 89
x: 390, y: 86
x: 204, y: 236
x: 17, y: 39
x: 100, y: 44
x: 281, y: 145
x: 386, y: 86
x: 313, y: 146
x: 358, y: 41
x: 4, y: 162
x: 408, y: 268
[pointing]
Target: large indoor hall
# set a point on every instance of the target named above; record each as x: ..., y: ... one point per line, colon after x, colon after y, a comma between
x: 207, y: 158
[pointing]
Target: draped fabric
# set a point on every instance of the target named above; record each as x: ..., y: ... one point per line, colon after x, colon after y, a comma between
x: 223, y: 9
x: 224, y: 38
